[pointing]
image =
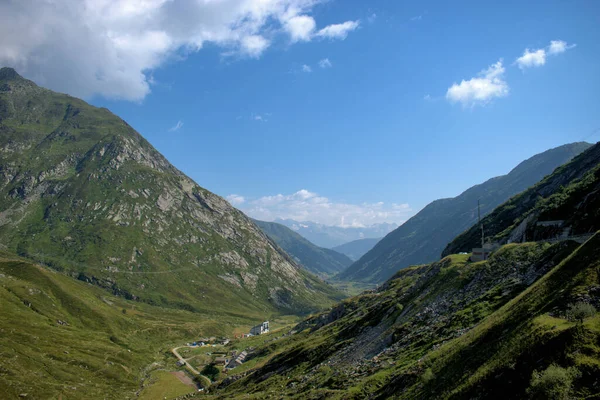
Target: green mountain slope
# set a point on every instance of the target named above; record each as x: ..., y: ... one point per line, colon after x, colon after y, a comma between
x: 423, y: 237
x: 64, y: 337
x: 357, y: 248
x: 571, y: 194
x: 315, y: 259
x: 85, y: 194
x: 451, y: 329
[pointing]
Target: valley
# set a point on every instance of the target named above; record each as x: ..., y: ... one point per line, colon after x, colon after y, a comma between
x: 122, y: 278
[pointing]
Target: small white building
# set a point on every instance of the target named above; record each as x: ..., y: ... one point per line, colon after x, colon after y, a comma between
x: 260, y: 329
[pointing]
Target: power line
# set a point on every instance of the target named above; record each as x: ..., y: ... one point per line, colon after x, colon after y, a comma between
x: 594, y: 132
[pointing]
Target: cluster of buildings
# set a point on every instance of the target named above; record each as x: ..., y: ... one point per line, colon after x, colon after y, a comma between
x: 235, y: 359
x: 213, y: 341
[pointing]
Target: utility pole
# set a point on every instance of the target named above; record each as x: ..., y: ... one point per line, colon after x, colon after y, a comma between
x: 480, y: 223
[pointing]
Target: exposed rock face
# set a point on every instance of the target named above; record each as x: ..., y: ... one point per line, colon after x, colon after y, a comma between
x: 71, y: 170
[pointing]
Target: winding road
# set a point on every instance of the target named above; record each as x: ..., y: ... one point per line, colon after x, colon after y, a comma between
x: 176, y: 354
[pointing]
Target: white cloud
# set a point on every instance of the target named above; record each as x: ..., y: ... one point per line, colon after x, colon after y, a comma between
x: 487, y: 85
x: 417, y: 18
x: 532, y: 58
x: 176, y: 127
x: 537, y: 58
x: 308, y: 206
x: 325, y: 63
x: 236, y: 199
x: 260, y: 117
x: 111, y: 47
x: 559, y: 46
x: 301, y: 28
x: 254, y: 45
x: 338, y: 31
x: 306, y: 68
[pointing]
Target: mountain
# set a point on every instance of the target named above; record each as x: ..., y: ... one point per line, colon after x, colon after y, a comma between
x: 567, y: 202
x: 448, y: 330
x: 64, y: 338
x: 356, y: 248
x: 422, y: 238
x: 85, y: 194
x: 315, y: 259
x: 522, y: 324
x: 331, y: 236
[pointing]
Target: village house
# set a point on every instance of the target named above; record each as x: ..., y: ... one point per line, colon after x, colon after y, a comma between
x: 221, y: 361
x: 237, y: 361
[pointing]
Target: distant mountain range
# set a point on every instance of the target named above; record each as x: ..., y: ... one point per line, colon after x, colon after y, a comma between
x: 422, y: 238
x: 318, y: 260
x: 332, y: 236
x: 356, y: 248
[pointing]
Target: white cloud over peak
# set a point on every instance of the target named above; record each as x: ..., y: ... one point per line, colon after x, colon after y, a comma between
x: 532, y: 58
x: 176, y: 127
x: 235, y: 199
x: 325, y: 63
x: 308, y: 206
x: 110, y: 47
x: 488, y: 84
x: 338, y: 31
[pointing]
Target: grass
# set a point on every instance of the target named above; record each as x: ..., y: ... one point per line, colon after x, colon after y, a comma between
x: 63, y: 337
x: 486, y: 323
x: 164, y: 385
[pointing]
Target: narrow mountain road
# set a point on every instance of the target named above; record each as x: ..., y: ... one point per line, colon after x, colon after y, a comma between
x: 176, y: 354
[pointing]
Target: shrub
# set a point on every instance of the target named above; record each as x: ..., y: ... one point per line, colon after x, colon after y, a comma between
x: 427, y: 376
x: 211, y: 371
x: 579, y: 311
x: 553, y: 383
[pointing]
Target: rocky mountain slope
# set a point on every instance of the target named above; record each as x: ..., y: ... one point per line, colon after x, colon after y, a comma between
x: 567, y: 202
x: 356, y: 248
x: 82, y: 192
x: 522, y: 324
x: 422, y: 238
x: 452, y: 329
x: 315, y: 259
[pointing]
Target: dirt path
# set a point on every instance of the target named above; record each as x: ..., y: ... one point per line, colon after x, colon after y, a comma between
x: 183, y: 378
x: 176, y: 354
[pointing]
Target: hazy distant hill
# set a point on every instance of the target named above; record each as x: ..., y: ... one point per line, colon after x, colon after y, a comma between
x: 84, y: 193
x: 422, y: 238
x: 356, y: 248
x: 331, y: 236
x: 315, y: 259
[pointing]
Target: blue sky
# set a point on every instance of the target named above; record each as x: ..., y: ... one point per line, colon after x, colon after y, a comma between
x: 373, y: 134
